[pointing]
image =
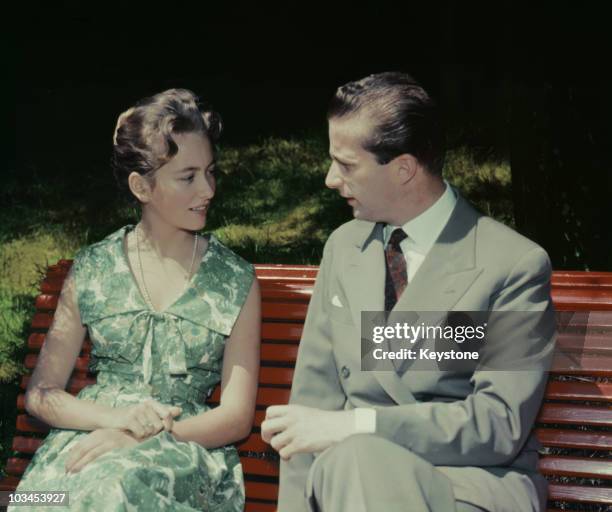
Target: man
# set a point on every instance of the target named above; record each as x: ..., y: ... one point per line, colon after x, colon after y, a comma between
x: 354, y: 440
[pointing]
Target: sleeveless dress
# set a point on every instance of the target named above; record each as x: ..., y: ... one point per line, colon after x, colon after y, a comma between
x: 175, y: 357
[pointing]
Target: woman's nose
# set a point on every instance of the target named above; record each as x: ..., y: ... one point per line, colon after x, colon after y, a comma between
x: 206, y: 187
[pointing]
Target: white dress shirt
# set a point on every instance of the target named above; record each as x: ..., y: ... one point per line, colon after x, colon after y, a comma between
x: 422, y: 231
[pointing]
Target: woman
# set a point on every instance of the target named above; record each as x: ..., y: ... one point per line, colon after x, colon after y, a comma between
x: 170, y: 313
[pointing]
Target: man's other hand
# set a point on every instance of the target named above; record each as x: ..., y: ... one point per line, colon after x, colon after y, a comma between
x: 291, y: 429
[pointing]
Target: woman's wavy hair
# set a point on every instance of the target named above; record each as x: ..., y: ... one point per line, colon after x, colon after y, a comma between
x: 143, y: 139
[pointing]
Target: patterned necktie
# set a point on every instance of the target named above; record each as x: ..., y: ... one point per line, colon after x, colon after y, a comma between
x: 396, y: 276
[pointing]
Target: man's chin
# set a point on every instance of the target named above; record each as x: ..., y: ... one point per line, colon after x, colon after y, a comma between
x: 361, y: 215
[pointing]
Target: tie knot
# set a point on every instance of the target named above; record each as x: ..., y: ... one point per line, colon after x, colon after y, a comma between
x: 396, y: 237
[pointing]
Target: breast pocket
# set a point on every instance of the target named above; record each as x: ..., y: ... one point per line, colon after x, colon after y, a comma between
x: 338, y: 310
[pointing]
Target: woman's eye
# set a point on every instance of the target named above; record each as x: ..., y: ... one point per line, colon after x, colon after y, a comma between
x: 212, y: 170
x: 189, y: 179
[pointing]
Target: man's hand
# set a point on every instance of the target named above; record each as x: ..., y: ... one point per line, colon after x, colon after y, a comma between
x: 291, y: 429
x: 95, y: 444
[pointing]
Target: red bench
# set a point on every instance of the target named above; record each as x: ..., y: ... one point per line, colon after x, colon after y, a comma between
x: 575, y: 418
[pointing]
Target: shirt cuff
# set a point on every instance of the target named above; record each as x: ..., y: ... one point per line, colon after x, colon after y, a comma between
x: 365, y: 420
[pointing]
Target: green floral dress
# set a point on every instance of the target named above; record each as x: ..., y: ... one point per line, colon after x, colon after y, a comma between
x: 175, y: 357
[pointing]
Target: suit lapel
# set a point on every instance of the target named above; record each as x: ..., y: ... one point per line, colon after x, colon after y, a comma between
x: 449, y: 268
x: 365, y: 272
x: 447, y: 272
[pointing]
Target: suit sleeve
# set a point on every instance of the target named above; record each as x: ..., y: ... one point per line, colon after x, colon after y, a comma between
x: 315, y: 384
x: 490, y: 426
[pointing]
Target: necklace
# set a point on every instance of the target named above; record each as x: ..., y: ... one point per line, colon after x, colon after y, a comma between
x: 144, y: 284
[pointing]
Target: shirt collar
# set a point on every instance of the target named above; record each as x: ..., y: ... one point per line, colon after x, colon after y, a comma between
x: 425, y: 228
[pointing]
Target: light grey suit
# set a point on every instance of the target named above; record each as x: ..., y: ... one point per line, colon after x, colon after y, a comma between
x: 475, y: 429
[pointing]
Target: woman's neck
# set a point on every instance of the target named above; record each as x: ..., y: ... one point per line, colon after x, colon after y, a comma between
x: 165, y: 240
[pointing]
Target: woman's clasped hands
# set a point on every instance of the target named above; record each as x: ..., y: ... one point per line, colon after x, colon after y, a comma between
x: 129, y: 426
x: 146, y: 418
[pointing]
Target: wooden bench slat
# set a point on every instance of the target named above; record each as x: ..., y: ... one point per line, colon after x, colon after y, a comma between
x: 579, y: 439
x: 582, y: 364
x: 589, y: 342
x: 15, y: 466
x: 259, y: 467
x: 254, y: 443
x: 46, y: 301
x: 27, y: 423
x: 588, y: 299
x: 254, y: 506
x: 9, y: 483
x: 583, y: 391
x: 587, y: 321
x: 580, y: 494
x: 575, y: 414
x: 261, y: 490
x: 281, y: 271
x: 259, y: 417
x: 23, y: 444
x: 279, y: 352
x: 276, y: 376
x: 576, y: 277
x: 281, y: 332
x: 41, y: 320
x: 582, y: 467
x: 283, y: 311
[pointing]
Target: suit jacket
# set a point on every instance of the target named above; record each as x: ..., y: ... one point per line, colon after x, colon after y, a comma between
x: 476, y: 428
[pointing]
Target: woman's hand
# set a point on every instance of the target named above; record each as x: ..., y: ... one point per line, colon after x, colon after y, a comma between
x: 146, y: 418
x: 95, y: 444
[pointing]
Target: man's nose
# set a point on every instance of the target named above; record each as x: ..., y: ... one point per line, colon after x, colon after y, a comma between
x: 333, y: 179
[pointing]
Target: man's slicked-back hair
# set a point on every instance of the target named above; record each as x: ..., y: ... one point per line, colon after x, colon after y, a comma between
x: 405, y: 117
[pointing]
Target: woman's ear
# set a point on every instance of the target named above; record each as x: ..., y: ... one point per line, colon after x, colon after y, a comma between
x: 140, y: 187
x: 406, y: 166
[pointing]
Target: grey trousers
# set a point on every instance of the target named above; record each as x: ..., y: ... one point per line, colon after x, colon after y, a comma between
x: 369, y: 473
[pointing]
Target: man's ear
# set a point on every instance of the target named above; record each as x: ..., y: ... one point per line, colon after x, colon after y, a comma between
x: 140, y: 187
x: 406, y: 166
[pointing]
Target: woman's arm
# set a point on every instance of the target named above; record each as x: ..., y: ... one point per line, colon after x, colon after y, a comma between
x: 233, y: 419
x: 47, y: 400
x: 45, y: 397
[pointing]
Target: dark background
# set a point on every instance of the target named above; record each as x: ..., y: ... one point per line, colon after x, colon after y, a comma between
x: 527, y: 83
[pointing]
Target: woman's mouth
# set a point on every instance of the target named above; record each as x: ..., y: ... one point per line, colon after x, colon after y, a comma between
x: 200, y: 210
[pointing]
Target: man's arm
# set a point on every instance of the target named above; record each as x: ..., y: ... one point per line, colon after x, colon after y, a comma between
x: 491, y: 425
x: 315, y: 383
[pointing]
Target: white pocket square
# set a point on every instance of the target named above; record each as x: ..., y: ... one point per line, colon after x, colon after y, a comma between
x: 336, y: 301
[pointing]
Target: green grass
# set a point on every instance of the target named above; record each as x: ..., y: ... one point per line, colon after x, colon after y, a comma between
x: 271, y: 207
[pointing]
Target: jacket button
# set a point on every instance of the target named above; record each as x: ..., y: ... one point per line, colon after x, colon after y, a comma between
x: 345, y: 372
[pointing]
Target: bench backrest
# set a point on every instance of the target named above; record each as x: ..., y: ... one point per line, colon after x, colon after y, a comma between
x: 575, y: 418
